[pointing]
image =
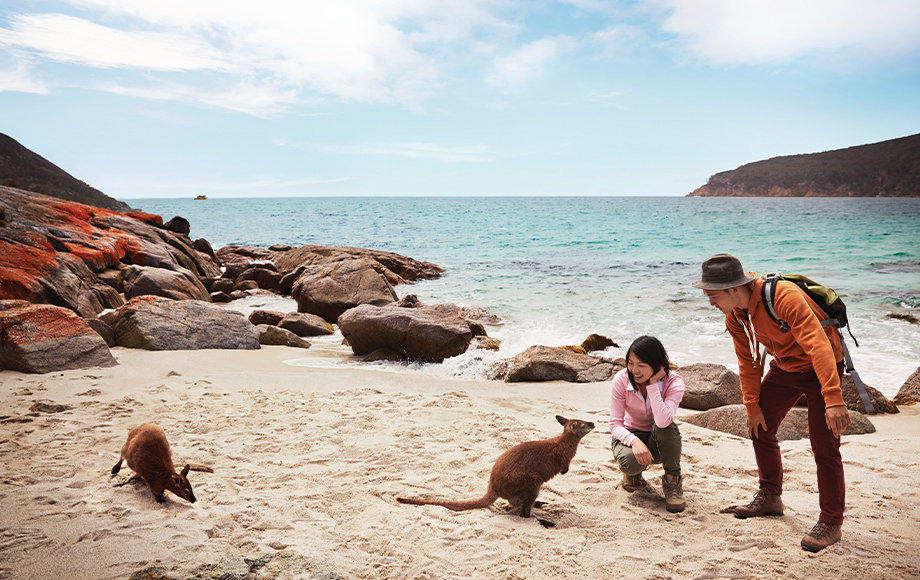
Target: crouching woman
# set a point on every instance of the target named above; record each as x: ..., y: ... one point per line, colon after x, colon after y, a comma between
x: 644, y: 398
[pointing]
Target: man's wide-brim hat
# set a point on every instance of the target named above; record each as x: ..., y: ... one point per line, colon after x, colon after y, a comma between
x: 723, y: 271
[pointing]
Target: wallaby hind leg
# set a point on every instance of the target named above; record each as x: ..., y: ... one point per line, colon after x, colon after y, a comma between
x: 527, y: 504
x: 117, y: 467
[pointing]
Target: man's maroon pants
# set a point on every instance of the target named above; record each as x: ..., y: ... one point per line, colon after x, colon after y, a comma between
x: 779, y: 391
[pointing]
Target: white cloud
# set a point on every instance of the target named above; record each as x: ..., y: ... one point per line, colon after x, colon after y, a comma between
x: 758, y: 31
x: 63, y: 38
x: 356, y: 50
x: 414, y: 150
x: 20, y: 79
x: 528, y: 62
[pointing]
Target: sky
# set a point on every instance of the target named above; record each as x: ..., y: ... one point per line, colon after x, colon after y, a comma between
x: 178, y: 98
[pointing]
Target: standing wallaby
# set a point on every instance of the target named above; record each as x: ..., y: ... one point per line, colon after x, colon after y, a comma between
x: 147, y: 453
x: 520, y: 471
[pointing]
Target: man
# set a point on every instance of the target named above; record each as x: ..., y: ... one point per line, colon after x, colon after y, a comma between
x: 807, y: 360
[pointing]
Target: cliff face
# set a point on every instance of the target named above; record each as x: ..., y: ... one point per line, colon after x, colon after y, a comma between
x: 23, y: 169
x: 886, y: 169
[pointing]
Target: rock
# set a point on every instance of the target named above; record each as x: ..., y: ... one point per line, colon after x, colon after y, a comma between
x: 303, y: 324
x: 179, y: 225
x: 103, y: 330
x: 328, y: 290
x: 707, y: 386
x: 244, y: 285
x: 269, y: 334
x: 48, y: 407
x: 546, y: 363
x: 220, y: 297
x: 905, y: 316
x: 395, y: 268
x: 41, y: 338
x: 414, y: 330
x: 264, y: 275
x: 281, y: 565
x: 732, y: 419
x: 854, y: 401
x: 177, y: 284
x: 271, y: 317
x: 485, y: 343
x: 225, y: 285
x: 909, y: 393
x: 480, y: 315
x: 65, y: 253
x: 156, y: 323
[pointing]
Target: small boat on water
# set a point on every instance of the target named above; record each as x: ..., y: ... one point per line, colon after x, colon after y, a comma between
x: 201, y: 197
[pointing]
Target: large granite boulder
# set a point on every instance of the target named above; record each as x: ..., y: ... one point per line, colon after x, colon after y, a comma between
x: 179, y: 284
x: 259, y: 316
x: 41, y: 338
x: 157, y: 323
x: 65, y: 253
x: 410, y: 328
x: 909, y: 393
x: 707, y: 386
x: 328, y: 290
x: 732, y: 419
x: 547, y: 363
x: 395, y: 268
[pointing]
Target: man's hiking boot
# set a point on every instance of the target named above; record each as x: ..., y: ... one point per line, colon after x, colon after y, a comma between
x: 673, y: 493
x: 636, y: 482
x: 765, y: 503
x: 820, y: 537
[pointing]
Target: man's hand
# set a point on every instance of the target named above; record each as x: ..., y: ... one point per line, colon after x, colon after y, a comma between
x: 753, y: 422
x: 838, y: 419
x: 643, y: 455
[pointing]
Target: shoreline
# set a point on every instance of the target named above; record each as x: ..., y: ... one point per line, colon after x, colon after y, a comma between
x: 311, y: 460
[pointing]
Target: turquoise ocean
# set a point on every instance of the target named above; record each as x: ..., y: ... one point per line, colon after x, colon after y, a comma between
x: 556, y: 269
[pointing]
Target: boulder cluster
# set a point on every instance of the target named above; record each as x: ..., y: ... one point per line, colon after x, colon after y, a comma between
x: 76, y: 280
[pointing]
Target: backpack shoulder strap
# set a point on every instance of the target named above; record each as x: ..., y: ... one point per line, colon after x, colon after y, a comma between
x: 768, y: 296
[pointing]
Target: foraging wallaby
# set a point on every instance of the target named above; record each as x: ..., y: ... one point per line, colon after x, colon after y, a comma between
x: 519, y: 472
x: 147, y: 453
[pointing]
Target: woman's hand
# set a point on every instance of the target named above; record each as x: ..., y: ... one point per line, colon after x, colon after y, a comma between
x: 657, y: 376
x: 643, y: 455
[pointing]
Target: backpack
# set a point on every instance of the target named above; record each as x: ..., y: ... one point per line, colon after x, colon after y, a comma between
x: 832, y: 306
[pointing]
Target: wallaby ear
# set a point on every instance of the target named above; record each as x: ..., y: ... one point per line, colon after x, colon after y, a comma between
x: 185, y: 470
x: 562, y: 420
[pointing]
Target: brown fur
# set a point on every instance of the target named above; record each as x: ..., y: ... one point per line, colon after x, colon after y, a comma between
x: 147, y: 452
x: 520, y: 472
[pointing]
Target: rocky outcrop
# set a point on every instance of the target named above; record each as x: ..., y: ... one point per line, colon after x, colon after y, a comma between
x: 732, y: 419
x: 594, y: 342
x: 156, y: 323
x: 73, y: 255
x: 886, y: 169
x: 271, y: 317
x: 409, y: 328
x: 707, y: 386
x: 281, y: 565
x: 546, y: 363
x: 40, y: 338
x: 909, y: 393
x: 328, y: 290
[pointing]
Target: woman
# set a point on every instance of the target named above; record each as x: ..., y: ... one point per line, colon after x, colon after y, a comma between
x: 644, y: 398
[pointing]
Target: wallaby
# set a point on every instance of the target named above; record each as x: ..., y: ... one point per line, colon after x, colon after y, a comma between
x: 147, y: 453
x: 519, y: 472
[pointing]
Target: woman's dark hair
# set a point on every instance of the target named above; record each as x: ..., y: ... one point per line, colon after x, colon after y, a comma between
x: 649, y: 350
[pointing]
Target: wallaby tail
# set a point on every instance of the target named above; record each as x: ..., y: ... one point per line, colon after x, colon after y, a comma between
x: 196, y: 467
x: 457, y: 505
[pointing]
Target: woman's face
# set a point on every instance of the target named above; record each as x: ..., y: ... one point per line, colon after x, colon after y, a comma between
x: 640, y: 370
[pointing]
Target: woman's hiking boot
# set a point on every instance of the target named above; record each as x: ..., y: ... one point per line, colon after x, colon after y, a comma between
x: 673, y: 493
x: 636, y: 482
x: 821, y: 536
x: 765, y: 503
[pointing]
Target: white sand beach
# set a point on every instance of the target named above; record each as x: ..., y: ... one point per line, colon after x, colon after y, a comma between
x: 312, y: 460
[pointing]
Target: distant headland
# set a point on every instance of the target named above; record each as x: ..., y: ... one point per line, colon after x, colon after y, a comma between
x: 886, y: 169
x: 22, y: 168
